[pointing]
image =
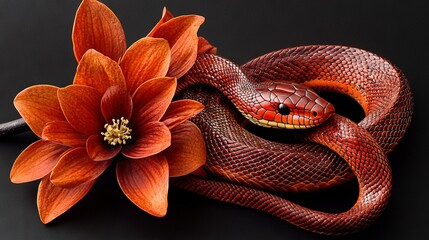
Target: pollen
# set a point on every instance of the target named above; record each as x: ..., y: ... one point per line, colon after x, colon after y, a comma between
x: 118, y: 132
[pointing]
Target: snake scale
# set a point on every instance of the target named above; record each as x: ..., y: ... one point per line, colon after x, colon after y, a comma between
x: 248, y: 170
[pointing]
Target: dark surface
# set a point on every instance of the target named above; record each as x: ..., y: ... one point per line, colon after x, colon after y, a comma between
x: 35, y: 48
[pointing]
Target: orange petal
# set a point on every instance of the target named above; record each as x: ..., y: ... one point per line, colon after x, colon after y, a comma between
x: 146, y: 59
x: 98, y: 71
x: 181, y: 110
x: 116, y: 103
x: 98, y: 150
x: 75, y: 168
x: 181, y: 33
x: 63, y: 133
x: 205, y: 47
x: 53, y: 201
x: 36, y: 161
x: 187, y: 151
x: 81, y: 107
x: 148, y: 139
x: 97, y: 27
x: 166, y: 15
x: 39, y: 105
x: 152, y: 99
x: 145, y: 183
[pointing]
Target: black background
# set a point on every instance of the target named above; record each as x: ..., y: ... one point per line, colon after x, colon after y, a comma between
x: 35, y: 48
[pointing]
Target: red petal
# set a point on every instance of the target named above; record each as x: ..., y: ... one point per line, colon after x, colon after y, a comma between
x: 166, y: 15
x: 39, y: 105
x: 36, y: 161
x: 181, y: 33
x: 146, y: 59
x: 145, y: 183
x: 63, y: 133
x: 98, y: 71
x: 152, y: 98
x: 53, y: 201
x: 81, y: 107
x: 187, y: 151
x: 181, y: 110
x: 116, y: 103
x: 99, y: 150
x: 205, y: 47
x: 75, y: 168
x: 148, y: 139
x: 97, y: 27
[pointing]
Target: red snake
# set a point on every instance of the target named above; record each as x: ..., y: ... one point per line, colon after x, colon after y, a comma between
x: 247, y: 170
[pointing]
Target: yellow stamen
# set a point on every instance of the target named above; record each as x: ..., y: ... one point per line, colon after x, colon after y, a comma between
x: 118, y: 132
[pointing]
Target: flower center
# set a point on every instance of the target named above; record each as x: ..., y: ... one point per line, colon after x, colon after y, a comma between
x: 118, y: 132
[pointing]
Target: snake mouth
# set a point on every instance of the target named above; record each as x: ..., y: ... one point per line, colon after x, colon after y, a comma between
x: 274, y: 124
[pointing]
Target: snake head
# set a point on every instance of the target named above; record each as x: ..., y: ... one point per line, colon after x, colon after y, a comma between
x: 287, y: 105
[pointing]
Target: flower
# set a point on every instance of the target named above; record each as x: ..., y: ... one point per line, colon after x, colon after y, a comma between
x: 119, y: 110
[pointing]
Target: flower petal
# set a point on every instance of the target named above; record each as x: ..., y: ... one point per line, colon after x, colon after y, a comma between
x: 187, y: 151
x: 36, y: 161
x: 181, y: 110
x: 39, y: 105
x: 98, y: 150
x: 116, y: 103
x: 98, y: 71
x: 63, y: 133
x: 148, y: 139
x: 205, y: 47
x: 97, y: 27
x: 146, y: 59
x: 53, y: 201
x: 81, y: 107
x: 145, y: 183
x: 166, y: 15
x: 181, y: 33
x: 152, y: 98
x: 75, y: 167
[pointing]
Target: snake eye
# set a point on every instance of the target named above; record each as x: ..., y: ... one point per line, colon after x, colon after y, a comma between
x: 283, y: 109
x: 314, y: 114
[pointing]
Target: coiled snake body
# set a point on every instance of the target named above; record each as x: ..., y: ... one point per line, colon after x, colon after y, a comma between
x: 246, y: 170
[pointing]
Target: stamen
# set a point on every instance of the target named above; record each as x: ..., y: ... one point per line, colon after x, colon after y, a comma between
x: 118, y: 132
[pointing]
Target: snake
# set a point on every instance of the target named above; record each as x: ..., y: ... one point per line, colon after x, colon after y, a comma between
x: 278, y: 90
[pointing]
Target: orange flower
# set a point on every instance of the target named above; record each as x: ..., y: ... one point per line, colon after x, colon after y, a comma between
x: 118, y: 109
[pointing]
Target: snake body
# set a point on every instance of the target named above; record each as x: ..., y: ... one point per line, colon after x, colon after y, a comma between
x: 245, y: 169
